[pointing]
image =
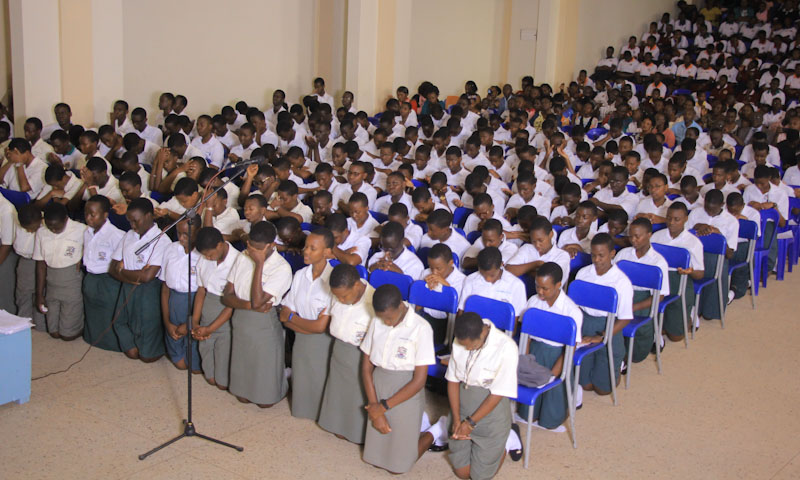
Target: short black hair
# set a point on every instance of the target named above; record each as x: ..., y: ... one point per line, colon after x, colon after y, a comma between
x: 734, y: 200
x: 208, y: 238
x: 327, y: 236
x: 55, y: 212
x: 441, y: 251
x: 359, y: 197
x: 131, y: 178
x: 714, y: 197
x: 440, y: 218
x: 142, y: 205
x: 494, y: 225
x: 54, y: 173
x: 603, y: 239
x: 392, y: 231
x: 344, y: 275
x: 398, y: 209
x: 385, y: 297
x: 489, y: 258
x: 468, y: 326
x: 257, y: 197
x: 644, y: 223
x: 263, y: 232
x: 680, y: 206
x: 552, y: 270
x: 102, y: 201
x: 541, y: 224
x: 185, y: 186
x: 336, y: 222
x: 618, y: 215
x: 288, y: 187
x: 96, y: 165
x: 28, y: 214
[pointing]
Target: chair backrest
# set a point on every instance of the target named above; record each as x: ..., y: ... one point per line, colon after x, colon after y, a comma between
x: 713, y: 243
x: 642, y: 275
x: 769, y: 215
x: 676, y: 257
x: 748, y: 229
x: 295, y: 260
x: 500, y: 313
x: 308, y: 227
x: 549, y: 326
x: 460, y: 216
x: 596, y: 133
x: 472, y: 236
x: 380, y: 217
x: 362, y: 270
x: 580, y: 260
x: 444, y: 301
x: 16, y: 198
x: 382, y: 277
x: 422, y: 254
x: 592, y: 295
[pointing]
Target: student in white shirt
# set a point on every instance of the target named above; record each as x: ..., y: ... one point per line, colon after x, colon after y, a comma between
x: 64, y: 152
x: 97, y: 181
x: 739, y: 277
x: 61, y: 186
x: 100, y: 290
x: 23, y: 172
x: 479, y: 397
x: 491, y: 236
x: 211, y: 148
x: 57, y: 251
x: 257, y: 282
x: 305, y: 311
x: 244, y: 148
x: 412, y: 232
x: 493, y: 281
x: 654, y: 206
x: 550, y: 409
x: 526, y: 195
x: 210, y: 318
x: 484, y: 209
x: 29, y: 220
x: 356, y: 182
x: 8, y: 259
x: 33, y: 134
x: 595, y: 368
x: 141, y: 128
x: 579, y: 238
x: 441, y: 272
x: 440, y: 230
x: 616, y: 194
x: 138, y: 327
x: 119, y: 118
x: 539, y: 251
x: 177, y: 295
x: 394, y: 256
x: 349, y: 246
x: 63, y: 114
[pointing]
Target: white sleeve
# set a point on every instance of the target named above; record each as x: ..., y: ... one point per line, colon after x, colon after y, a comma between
x: 425, y: 354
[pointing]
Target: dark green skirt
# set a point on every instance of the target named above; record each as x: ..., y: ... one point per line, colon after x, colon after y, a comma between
x: 550, y: 407
x: 709, y: 297
x: 673, y: 320
x: 139, y: 323
x: 9, y: 284
x: 100, y: 293
x: 594, y: 367
x: 643, y: 339
x: 741, y: 275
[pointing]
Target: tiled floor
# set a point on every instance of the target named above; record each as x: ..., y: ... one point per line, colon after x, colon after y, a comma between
x: 724, y: 408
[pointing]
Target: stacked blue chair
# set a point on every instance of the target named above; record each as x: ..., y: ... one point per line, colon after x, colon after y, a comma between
x: 747, y: 231
x: 580, y: 260
x: 500, y: 313
x: 557, y: 328
x: 596, y: 133
x: 649, y: 277
x: 382, y: 277
x: 676, y: 257
x: 785, y: 251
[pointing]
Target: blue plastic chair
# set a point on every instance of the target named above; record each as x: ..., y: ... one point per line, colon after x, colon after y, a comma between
x: 597, y: 297
x: 632, y: 188
x: 445, y: 301
x: 794, y: 205
x: 419, y: 183
x: 676, y: 257
x: 682, y: 91
x: 763, y: 246
x: 659, y: 226
x: 472, y: 236
x: 596, y: 133
x: 714, y: 244
x: 422, y: 254
x: 580, y: 260
x: 18, y: 199
x: 712, y: 160
x: 159, y: 197
x: 500, y: 313
x: 785, y: 251
x: 460, y: 216
x: 380, y: 217
x: 748, y: 232
x: 295, y: 260
x: 382, y: 277
x: 119, y: 221
x: 649, y: 277
x: 556, y: 328
x: 362, y: 270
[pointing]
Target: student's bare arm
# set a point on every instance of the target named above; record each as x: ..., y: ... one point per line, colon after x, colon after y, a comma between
x: 259, y: 299
x: 345, y: 256
x: 22, y: 178
x: 230, y: 300
x: 305, y: 325
x: 524, y: 268
x: 41, y: 279
x: 5, y: 251
x: 454, y: 398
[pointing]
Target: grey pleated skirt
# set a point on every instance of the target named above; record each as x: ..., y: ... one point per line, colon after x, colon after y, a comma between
x: 310, y: 356
x: 64, y: 300
x: 396, y: 451
x: 215, y: 353
x: 342, y: 411
x: 257, y: 357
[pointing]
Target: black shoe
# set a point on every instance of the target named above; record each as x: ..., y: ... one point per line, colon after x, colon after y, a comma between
x: 516, y: 455
x: 661, y: 348
x: 438, y: 448
x: 624, y: 370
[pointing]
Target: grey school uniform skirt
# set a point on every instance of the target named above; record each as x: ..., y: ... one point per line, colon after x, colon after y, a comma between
x: 310, y: 356
x: 397, y: 451
x: 257, y: 357
x: 343, y: 403
x: 25, y: 291
x: 9, y: 283
x: 487, y: 448
x: 64, y: 300
x: 215, y: 353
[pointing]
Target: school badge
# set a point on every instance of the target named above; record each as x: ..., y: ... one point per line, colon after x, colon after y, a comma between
x: 101, y: 256
x: 402, y: 353
x: 70, y: 252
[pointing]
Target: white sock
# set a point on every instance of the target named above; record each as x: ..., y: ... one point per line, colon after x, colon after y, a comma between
x: 426, y: 422
x: 662, y: 341
x: 519, y: 419
x: 697, y: 322
x: 579, y: 397
x: 513, y: 442
x: 287, y: 372
x: 558, y: 429
x: 439, y: 431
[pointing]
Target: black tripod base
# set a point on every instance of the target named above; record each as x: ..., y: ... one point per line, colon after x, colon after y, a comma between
x: 189, y: 431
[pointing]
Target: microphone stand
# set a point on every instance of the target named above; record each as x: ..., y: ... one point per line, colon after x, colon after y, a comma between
x: 188, y: 426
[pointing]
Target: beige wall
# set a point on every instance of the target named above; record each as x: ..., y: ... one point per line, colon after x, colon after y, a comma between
x: 611, y: 22
x: 5, y: 53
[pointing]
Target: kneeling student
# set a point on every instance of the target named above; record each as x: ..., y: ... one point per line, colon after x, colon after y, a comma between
x: 481, y: 377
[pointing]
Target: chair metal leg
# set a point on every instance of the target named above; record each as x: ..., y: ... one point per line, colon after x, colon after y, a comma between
x: 722, y: 302
x: 695, y: 313
x: 570, y: 407
x: 685, y: 317
x: 629, y: 363
x: 528, y: 437
x: 657, y: 339
x: 611, y: 367
x: 752, y: 288
x: 575, y: 388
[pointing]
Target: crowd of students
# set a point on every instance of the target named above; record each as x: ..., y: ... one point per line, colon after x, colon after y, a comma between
x: 281, y: 255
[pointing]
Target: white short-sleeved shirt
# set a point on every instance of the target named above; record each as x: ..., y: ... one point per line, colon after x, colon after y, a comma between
x: 684, y: 240
x: 413, y: 233
x: 307, y: 296
x: 493, y: 366
x: 562, y: 306
x: 409, y: 263
x: 23, y: 241
x: 725, y: 222
x: 455, y: 279
x: 507, y: 249
x: 276, y: 277
x: 457, y: 243
x: 70, y: 189
x: 152, y: 255
x: 540, y: 202
x: 647, y: 205
x: 174, y: 267
x: 303, y: 210
x: 362, y: 244
x: 213, y: 276
x: 627, y: 200
x: 367, y: 229
x: 99, y: 246
x: 59, y: 250
x: 653, y: 258
x: 213, y: 151
x: 570, y: 237
x: 774, y: 194
x: 7, y: 226
x: 346, y: 191
x: 507, y: 288
x: 173, y: 205
x: 615, y: 279
x: 473, y: 220
x: 528, y: 254
x: 382, y: 204
x: 110, y: 190
x: 34, y: 172
x: 227, y: 221
x: 350, y: 323
x: 403, y: 347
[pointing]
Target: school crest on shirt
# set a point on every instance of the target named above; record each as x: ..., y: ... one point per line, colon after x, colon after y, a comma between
x: 360, y: 337
x: 402, y: 353
x: 101, y: 256
x: 140, y: 258
x: 193, y: 270
x: 69, y: 252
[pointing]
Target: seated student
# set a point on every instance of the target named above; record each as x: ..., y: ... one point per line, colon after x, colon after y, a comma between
x: 526, y: 187
x: 300, y: 167
x: 177, y: 294
x: 129, y: 163
x: 491, y: 236
x: 601, y: 180
x: 23, y: 172
x: 456, y: 174
x: 210, y: 317
x: 261, y: 176
x: 736, y: 178
x: 589, y: 169
x: 246, y: 146
x: 394, y: 383
x: 256, y: 284
x: 690, y: 194
x: 100, y: 290
x: 776, y: 181
x: 617, y: 226
x: 632, y: 162
x: 130, y: 185
x: 186, y: 196
x: 217, y: 214
x: 440, y: 231
x: 719, y: 180
x: 142, y: 150
x: 655, y: 157
x: 356, y: 178
x: 677, y: 235
x: 349, y: 246
x: 493, y: 281
x: 394, y: 256
x: 423, y: 168
x: 64, y: 152
x: 412, y: 232
x: 479, y: 398
x: 569, y: 198
x: 205, y: 141
x: 61, y: 187
x: 361, y: 221
x: 442, y: 193
x: 676, y: 170
x: 602, y: 271
x: 168, y: 163
x: 138, y: 326
x: 286, y: 204
x: 616, y: 195
x: 739, y: 278
x: 579, y: 238
x: 395, y: 187
x: 57, y: 251
x: 441, y: 272
x: 713, y: 218
x: 291, y: 237
x: 423, y: 204
x: 484, y: 209
x: 764, y: 195
x: 322, y: 207
x: 654, y: 206
x: 33, y: 134
x: 550, y: 409
x: 539, y: 251
x: 305, y: 311
x: 97, y: 181
x: 641, y: 251
x: 760, y: 157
